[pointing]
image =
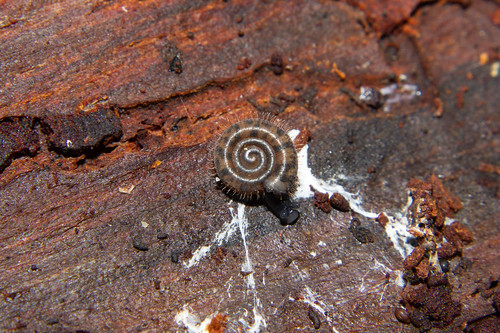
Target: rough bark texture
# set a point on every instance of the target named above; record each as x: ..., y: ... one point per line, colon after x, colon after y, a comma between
x: 109, y: 110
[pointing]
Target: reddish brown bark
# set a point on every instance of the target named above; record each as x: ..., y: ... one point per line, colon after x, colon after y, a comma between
x: 109, y: 110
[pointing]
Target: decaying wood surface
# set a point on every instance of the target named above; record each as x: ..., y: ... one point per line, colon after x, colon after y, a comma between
x: 112, y: 221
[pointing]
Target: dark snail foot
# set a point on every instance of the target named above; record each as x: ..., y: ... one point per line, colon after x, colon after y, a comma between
x: 283, y: 209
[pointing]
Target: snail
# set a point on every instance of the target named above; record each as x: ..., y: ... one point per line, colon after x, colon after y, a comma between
x: 254, y: 159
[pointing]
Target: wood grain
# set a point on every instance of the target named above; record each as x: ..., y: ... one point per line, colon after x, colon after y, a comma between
x: 98, y: 232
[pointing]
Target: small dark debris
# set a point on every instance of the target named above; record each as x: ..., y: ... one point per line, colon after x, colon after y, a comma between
x: 11, y: 295
x: 452, y: 237
x: 493, y: 283
x: 73, y: 135
x: 241, y: 34
x: 176, y: 64
x: 157, y: 284
x: 414, y: 258
x: 351, y: 136
x: 411, y: 277
x: 462, y: 232
x: 18, y: 138
x: 314, y: 317
x: 34, y: 268
x: 288, y: 262
x: 431, y: 204
x: 371, y: 97
x: 145, y: 140
x: 338, y: 202
x: 244, y: 64
x: 283, y: 209
x: 176, y: 122
x: 446, y: 251
x: 401, y: 315
x: 174, y: 256
x: 362, y: 234
x: 445, y: 265
x: 139, y: 244
x: 190, y: 35
x: 425, y: 208
x: 431, y: 307
x: 487, y: 293
x: 382, y: 219
x: 161, y: 235
x: 322, y: 201
x: 447, y: 202
x: 172, y: 56
x: 277, y: 65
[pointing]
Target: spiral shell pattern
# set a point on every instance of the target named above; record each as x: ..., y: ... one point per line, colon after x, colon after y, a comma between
x: 254, y: 156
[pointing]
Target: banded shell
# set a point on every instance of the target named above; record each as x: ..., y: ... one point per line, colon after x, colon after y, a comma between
x: 255, y: 156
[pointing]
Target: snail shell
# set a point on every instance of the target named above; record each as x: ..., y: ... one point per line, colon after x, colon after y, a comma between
x: 255, y: 156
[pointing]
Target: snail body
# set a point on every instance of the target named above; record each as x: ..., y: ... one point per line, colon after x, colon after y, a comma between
x: 256, y: 156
